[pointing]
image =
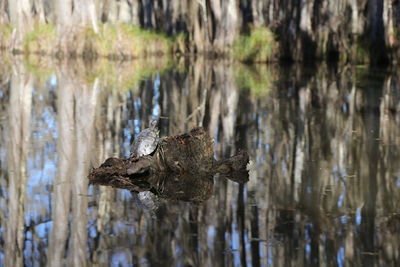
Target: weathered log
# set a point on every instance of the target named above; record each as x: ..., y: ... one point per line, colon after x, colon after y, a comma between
x: 182, y: 167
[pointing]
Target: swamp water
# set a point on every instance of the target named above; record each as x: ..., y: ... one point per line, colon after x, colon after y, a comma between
x: 324, y: 168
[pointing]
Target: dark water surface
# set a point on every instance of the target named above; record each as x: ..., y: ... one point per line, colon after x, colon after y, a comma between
x: 324, y: 183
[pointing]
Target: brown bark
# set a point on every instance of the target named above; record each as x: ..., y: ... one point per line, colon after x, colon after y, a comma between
x: 181, y: 163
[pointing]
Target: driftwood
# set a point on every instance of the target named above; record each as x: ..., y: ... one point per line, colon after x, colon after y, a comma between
x: 182, y: 167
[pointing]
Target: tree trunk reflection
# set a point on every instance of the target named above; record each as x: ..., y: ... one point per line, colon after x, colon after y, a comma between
x: 19, y: 115
x: 324, y: 175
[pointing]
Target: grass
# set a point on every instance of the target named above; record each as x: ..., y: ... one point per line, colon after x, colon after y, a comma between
x: 180, y: 43
x: 258, y: 46
x: 5, y: 66
x: 41, y: 39
x: 113, y: 41
x: 126, y: 41
x: 5, y: 35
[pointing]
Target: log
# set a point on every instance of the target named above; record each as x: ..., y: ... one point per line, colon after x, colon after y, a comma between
x: 182, y: 167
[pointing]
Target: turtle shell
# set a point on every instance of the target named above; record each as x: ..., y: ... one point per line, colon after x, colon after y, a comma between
x: 146, y: 142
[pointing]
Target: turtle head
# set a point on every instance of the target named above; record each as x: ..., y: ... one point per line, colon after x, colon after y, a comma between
x: 153, y: 124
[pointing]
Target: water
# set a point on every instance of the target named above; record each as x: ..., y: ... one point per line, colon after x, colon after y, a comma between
x: 324, y: 183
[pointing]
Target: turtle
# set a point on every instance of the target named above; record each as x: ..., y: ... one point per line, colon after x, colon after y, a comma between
x: 146, y: 142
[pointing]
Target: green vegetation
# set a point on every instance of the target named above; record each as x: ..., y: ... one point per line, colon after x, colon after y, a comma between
x: 5, y: 66
x: 259, y: 46
x: 126, y: 75
x: 113, y: 41
x: 39, y: 66
x: 41, y: 39
x: 5, y: 35
x: 113, y: 75
x: 180, y: 43
x: 126, y: 41
x: 259, y: 79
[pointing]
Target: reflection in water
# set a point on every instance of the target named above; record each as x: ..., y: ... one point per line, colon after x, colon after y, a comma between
x: 324, y: 175
x: 18, y: 124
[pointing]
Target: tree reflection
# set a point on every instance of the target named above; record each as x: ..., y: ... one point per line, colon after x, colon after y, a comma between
x: 18, y: 124
x: 324, y: 179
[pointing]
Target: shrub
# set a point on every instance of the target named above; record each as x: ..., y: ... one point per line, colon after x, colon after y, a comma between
x: 259, y: 46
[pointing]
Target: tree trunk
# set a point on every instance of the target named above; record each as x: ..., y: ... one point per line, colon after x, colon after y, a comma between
x: 39, y: 11
x: 306, y: 8
x: 389, y: 24
x: 226, y: 14
x: 148, y: 14
x: 125, y: 11
x: 3, y: 13
x: 64, y: 22
x: 21, y: 20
